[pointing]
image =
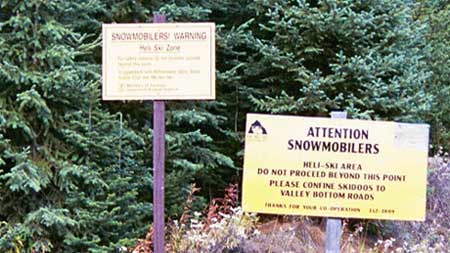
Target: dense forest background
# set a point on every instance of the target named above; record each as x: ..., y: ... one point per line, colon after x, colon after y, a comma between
x: 76, y: 172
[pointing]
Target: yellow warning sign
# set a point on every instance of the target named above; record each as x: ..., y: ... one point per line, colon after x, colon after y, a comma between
x: 335, y: 167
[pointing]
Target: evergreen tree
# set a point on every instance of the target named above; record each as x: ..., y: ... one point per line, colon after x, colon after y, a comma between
x: 436, y: 15
x: 311, y: 57
x: 72, y: 178
x: 75, y: 172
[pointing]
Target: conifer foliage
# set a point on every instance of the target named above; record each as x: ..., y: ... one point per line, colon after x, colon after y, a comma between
x: 436, y: 15
x: 76, y: 172
x: 71, y: 173
x: 312, y: 57
x: 75, y: 175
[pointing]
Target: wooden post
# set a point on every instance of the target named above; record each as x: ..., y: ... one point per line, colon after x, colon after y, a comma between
x: 334, y: 225
x: 159, y: 132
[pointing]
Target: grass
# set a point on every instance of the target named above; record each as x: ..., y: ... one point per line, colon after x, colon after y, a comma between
x: 224, y: 227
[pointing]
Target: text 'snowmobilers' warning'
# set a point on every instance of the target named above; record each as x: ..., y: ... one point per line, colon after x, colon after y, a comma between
x: 335, y: 167
x: 159, y: 61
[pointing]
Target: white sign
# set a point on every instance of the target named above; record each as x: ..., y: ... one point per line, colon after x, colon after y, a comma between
x: 159, y: 61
